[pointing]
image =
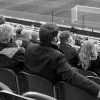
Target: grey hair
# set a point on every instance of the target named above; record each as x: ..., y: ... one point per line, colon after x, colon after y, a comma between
x: 6, y: 31
x: 26, y: 34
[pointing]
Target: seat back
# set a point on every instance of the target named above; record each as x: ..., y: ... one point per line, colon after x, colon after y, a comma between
x: 38, y: 96
x: 8, y: 78
x: 5, y: 95
x: 64, y: 91
x: 28, y: 82
x: 87, y: 73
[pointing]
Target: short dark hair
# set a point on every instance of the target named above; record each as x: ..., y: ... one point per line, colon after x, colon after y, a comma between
x: 47, y: 32
x: 64, y: 35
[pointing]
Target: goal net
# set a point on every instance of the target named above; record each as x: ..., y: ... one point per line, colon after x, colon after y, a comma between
x: 86, y: 16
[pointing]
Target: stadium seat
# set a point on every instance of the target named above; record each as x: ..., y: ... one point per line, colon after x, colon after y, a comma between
x: 87, y: 73
x: 95, y: 79
x: 5, y: 95
x: 8, y: 77
x: 28, y: 82
x: 38, y: 96
x: 64, y: 91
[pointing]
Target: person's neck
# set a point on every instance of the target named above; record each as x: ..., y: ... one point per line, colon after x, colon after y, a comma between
x: 66, y: 43
x: 53, y: 42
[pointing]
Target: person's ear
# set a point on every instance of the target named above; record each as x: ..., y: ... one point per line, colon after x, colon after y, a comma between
x: 55, y: 40
x: 69, y: 40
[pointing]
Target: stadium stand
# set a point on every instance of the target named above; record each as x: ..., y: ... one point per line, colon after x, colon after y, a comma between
x: 35, y: 25
x: 24, y: 82
x: 61, y: 27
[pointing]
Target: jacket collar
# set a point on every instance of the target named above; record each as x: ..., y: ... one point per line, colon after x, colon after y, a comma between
x: 49, y: 45
x: 66, y: 44
x: 4, y: 45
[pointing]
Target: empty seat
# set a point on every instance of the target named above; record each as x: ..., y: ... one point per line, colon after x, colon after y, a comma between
x: 87, y: 73
x: 28, y: 82
x: 8, y: 78
x: 64, y: 91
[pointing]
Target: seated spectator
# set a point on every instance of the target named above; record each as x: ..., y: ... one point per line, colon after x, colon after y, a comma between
x: 45, y: 60
x: 18, y: 37
x: 10, y: 56
x: 25, y: 38
x: 35, y: 37
x: 2, y: 20
x: 18, y: 33
x: 65, y: 46
x: 87, y: 53
x: 94, y: 64
x: 78, y: 40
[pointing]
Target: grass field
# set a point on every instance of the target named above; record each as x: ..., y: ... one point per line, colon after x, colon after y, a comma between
x: 41, y: 10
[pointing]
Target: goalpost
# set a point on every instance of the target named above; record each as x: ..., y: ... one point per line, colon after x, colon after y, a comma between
x: 86, y: 16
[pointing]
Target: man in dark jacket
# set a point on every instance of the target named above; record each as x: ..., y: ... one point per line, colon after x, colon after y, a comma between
x: 47, y: 61
x: 68, y: 50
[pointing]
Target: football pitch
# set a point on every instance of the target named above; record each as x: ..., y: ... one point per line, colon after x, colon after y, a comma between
x: 42, y: 10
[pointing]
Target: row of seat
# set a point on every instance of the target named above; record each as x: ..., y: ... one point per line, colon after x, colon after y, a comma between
x: 39, y: 88
x: 24, y: 82
x: 5, y: 95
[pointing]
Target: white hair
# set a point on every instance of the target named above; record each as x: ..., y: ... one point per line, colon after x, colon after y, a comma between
x: 6, y: 31
x: 35, y: 36
x: 26, y: 34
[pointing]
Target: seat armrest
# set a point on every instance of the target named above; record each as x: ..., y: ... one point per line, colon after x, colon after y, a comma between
x: 5, y: 95
x: 38, y: 96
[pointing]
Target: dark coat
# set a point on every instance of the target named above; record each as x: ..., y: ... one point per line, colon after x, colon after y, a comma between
x: 95, y: 65
x: 11, y: 57
x: 48, y: 62
x: 71, y: 53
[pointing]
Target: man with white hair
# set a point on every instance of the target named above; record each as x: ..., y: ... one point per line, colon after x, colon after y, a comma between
x: 26, y: 36
x: 11, y: 56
